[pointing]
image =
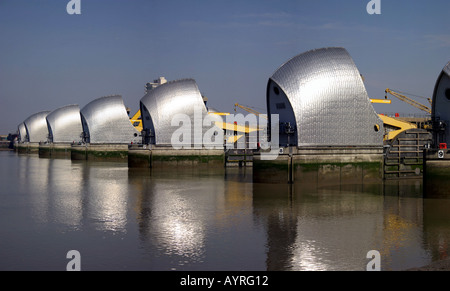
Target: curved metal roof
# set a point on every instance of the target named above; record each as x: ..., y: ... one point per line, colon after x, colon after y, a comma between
x: 441, y: 101
x: 22, y: 133
x: 439, y: 92
x: 160, y: 105
x: 64, y: 124
x: 105, y: 120
x: 330, y: 104
x: 36, y: 126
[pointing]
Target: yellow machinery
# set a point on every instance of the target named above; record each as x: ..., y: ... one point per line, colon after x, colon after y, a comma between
x: 136, y: 120
x: 219, y: 113
x: 248, y: 109
x: 236, y: 128
x: 382, y: 101
x: 233, y: 127
x: 409, y: 100
x: 394, y: 127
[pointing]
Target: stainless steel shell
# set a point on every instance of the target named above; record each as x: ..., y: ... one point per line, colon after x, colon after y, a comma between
x: 36, y: 126
x: 162, y: 106
x: 441, y: 104
x: 22, y: 133
x: 64, y: 124
x: 321, y: 93
x: 105, y: 121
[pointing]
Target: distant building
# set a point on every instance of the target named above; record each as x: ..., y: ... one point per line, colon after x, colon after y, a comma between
x: 150, y: 86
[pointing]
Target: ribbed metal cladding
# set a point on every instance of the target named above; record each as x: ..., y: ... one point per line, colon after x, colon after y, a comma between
x: 36, y: 126
x: 22, y: 132
x: 160, y: 105
x: 441, y: 102
x: 105, y: 121
x: 330, y: 104
x: 64, y: 124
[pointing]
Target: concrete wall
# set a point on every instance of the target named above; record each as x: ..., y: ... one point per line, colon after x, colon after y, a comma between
x: 27, y: 148
x: 320, y: 165
x: 52, y: 150
x: 160, y: 157
x: 111, y: 152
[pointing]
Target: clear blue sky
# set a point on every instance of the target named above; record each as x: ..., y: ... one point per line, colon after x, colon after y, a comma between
x: 49, y: 58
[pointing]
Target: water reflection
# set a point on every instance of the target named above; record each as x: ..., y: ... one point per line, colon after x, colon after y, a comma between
x: 71, y: 193
x: 106, y: 195
x: 65, y: 191
x: 34, y: 181
x: 437, y: 187
x: 54, y: 191
x: 436, y: 217
x: 310, y: 227
x: 181, y: 217
x: 436, y: 232
x: 200, y: 219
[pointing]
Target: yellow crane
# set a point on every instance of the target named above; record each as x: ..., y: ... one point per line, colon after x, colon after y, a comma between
x: 409, y: 100
x: 248, y: 109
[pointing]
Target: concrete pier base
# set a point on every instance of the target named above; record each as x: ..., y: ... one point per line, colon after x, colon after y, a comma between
x: 436, y: 173
x: 100, y: 152
x: 52, y: 150
x: 27, y: 148
x: 436, y: 162
x: 139, y: 156
x: 319, y: 165
x: 161, y: 157
x: 78, y: 152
